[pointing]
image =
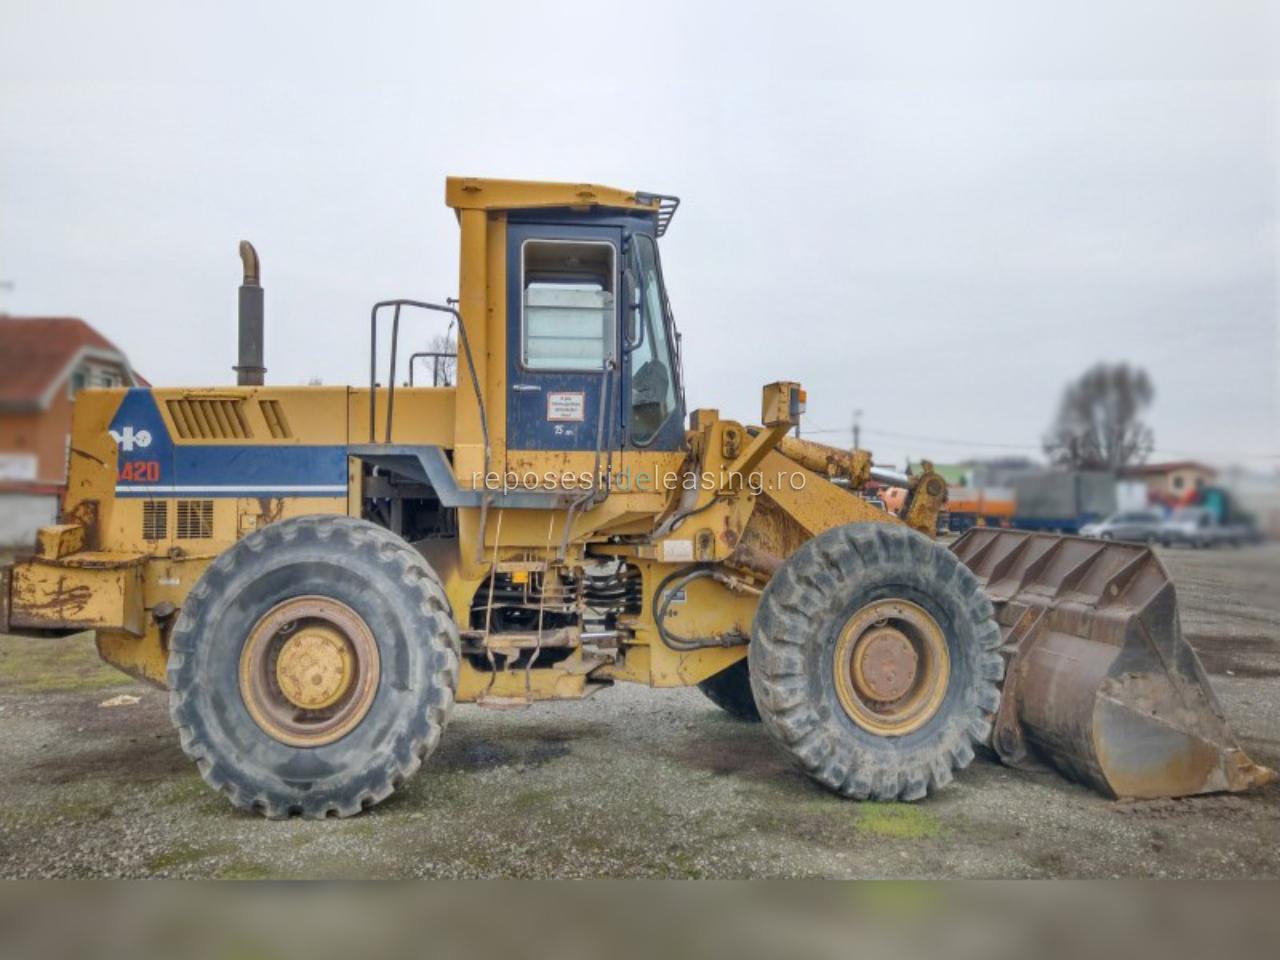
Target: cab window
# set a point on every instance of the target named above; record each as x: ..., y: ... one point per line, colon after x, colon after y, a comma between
x: 653, y: 375
x: 568, y: 304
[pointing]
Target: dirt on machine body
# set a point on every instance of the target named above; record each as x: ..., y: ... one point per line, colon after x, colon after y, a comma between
x: 318, y: 574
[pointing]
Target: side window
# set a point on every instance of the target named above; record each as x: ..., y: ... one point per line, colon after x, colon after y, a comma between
x: 653, y: 376
x: 568, y: 304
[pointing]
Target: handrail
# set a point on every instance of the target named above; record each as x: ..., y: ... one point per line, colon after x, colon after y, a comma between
x: 391, y: 380
x: 437, y: 355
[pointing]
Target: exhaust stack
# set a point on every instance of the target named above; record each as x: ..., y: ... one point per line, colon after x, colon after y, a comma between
x: 249, y: 370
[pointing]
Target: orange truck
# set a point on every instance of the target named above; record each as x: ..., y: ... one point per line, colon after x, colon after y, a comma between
x: 980, y: 507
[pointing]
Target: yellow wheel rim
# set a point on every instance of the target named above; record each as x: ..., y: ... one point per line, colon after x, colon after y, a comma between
x: 891, y: 667
x: 309, y: 671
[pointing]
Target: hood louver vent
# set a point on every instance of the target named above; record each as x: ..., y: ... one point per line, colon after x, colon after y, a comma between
x: 209, y: 418
x: 273, y: 413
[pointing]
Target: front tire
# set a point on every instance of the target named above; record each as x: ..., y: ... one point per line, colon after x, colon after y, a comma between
x: 874, y: 661
x: 313, y: 668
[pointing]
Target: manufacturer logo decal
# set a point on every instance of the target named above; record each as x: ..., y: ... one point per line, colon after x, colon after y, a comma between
x: 127, y: 439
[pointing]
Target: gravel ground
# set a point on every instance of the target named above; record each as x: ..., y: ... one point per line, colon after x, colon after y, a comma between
x: 634, y: 782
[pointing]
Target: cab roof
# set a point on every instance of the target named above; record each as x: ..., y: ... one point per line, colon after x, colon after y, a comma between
x: 478, y: 193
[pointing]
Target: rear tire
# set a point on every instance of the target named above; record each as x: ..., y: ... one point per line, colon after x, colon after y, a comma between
x: 730, y: 690
x: 246, y: 734
x: 802, y: 625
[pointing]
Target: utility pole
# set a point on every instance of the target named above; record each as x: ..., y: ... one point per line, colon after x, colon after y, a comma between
x: 857, y: 428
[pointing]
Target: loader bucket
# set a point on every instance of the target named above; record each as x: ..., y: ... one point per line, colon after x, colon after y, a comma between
x: 1099, y: 681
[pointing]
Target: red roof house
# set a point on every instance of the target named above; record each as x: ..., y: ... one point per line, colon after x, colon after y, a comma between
x: 44, y: 362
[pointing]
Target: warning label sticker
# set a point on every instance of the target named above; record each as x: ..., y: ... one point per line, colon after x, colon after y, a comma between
x: 676, y: 551
x: 566, y: 407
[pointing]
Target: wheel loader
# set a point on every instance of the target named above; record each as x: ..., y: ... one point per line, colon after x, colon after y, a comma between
x: 318, y: 574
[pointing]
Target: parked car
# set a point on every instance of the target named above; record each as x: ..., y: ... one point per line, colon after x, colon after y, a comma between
x: 1199, y: 527
x: 1142, y: 526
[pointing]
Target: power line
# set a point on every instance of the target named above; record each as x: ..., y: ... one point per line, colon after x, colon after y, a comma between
x: 893, y: 434
x: 995, y: 445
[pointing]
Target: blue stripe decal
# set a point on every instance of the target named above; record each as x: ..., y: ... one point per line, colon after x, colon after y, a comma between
x: 151, y: 465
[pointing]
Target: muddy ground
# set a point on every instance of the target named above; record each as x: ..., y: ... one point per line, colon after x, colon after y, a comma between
x: 632, y: 783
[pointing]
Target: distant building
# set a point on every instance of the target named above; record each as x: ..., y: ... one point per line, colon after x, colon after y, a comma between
x: 1172, y: 480
x: 1257, y: 493
x: 44, y: 362
x: 956, y: 474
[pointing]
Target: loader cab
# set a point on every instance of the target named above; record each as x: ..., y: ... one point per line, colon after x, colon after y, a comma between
x: 593, y: 358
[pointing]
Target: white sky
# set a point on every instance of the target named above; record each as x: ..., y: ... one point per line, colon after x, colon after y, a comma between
x: 934, y: 213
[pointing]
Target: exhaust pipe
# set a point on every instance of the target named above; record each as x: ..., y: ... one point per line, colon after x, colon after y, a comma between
x: 249, y: 370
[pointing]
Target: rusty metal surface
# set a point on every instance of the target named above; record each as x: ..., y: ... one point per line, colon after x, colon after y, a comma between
x: 829, y: 461
x: 81, y: 591
x: 1099, y: 681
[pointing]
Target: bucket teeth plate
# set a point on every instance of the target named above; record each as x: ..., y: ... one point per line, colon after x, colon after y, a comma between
x: 1099, y: 681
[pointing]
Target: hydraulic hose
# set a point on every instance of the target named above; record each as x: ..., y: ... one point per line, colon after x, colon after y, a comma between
x: 665, y: 594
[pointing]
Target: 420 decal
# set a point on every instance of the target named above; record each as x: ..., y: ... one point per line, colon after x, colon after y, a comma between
x: 140, y: 471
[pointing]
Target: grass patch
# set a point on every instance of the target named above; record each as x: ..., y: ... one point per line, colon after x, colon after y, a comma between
x: 54, y: 665
x: 87, y: 810
x: 899, y: 821
x: 182, y: 856
x: 67, y: 808
x: 245, y: 870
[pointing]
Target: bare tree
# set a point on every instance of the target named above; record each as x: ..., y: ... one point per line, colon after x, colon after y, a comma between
x: 1098, y: 426
x: 442, y: 370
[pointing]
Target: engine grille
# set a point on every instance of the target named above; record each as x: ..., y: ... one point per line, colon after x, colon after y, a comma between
x: 155, y: 519
x: 195, y: 519
x: 209, y: 418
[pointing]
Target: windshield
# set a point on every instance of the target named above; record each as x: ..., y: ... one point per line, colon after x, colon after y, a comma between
x: 653, y: 367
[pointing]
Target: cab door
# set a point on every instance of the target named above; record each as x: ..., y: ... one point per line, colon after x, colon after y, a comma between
x: 562, y: 336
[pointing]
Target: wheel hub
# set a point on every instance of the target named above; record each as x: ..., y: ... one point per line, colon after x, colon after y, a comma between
x: 309, y: 671
x: 315, y: 668
x: 884, y: 664
x: 892, y: 667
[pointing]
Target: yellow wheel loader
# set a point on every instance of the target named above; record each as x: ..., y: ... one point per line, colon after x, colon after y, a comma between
x: 318, y: 574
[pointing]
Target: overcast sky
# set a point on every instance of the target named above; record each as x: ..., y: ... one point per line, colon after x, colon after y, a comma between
x: 933, y: 213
